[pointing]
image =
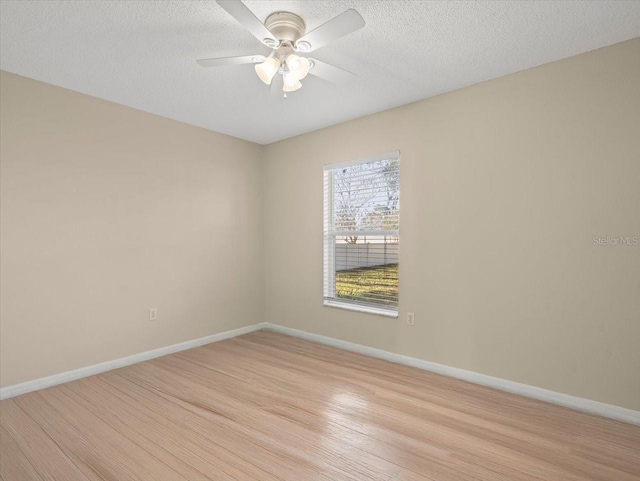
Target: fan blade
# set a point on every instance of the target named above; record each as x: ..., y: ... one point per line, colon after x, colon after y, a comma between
x: 218, y: 62
x: 330, y: 72
x: 343, y: 24
x: 242, y: 14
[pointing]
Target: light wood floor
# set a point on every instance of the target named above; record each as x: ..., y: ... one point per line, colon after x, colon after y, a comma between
x: 267, y: 406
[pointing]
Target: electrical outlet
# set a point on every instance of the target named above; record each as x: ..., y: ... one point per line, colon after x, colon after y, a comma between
x: 411, y: 320
x: 153, y: 314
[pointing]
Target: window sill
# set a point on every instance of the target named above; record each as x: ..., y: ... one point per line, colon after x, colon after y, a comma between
x: 364, y: 309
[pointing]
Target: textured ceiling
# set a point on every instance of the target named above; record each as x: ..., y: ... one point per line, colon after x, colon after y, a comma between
x: 142, y: 54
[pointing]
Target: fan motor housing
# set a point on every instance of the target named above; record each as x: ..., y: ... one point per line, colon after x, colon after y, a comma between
x: 285, y: 26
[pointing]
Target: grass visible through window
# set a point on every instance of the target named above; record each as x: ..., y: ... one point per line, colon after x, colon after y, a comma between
x: 377, y: 284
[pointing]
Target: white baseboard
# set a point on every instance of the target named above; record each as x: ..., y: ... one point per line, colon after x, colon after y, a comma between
x: 577, y: 403
x: 44, y: 382
x: 574, y: 402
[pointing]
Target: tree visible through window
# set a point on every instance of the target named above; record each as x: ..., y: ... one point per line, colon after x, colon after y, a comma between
x: 361, y: 223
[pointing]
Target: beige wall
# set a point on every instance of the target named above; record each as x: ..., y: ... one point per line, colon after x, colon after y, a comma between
x: 107, y: 211
x: 503, y: 186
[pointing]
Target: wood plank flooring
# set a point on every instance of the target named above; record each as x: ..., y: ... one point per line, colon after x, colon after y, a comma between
x: 266, y: 406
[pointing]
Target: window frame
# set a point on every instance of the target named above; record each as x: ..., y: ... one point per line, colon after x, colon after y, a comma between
x: 328, y: 249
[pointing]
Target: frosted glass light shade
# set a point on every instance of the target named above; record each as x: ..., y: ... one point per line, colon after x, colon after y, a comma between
x: 267, y: 69
x: 299, y: 66
x: 291, y: 83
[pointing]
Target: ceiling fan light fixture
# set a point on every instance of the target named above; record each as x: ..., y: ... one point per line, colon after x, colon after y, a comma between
x: 291, y: 83
x: 267, y: 69
x: 285, y: 33
x: 298, y: 66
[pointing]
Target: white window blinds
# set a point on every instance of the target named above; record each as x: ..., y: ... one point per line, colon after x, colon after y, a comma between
x: 361, y: 224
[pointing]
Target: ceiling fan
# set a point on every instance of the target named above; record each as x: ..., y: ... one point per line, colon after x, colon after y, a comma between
x: 284, y: 33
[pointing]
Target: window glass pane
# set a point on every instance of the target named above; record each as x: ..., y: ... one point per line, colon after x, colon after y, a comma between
x: 367, y: 270
x: 367, y: 196
x: 361, y: 225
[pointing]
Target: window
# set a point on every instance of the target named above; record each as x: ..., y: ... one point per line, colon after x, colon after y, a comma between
x: 361, y: 225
